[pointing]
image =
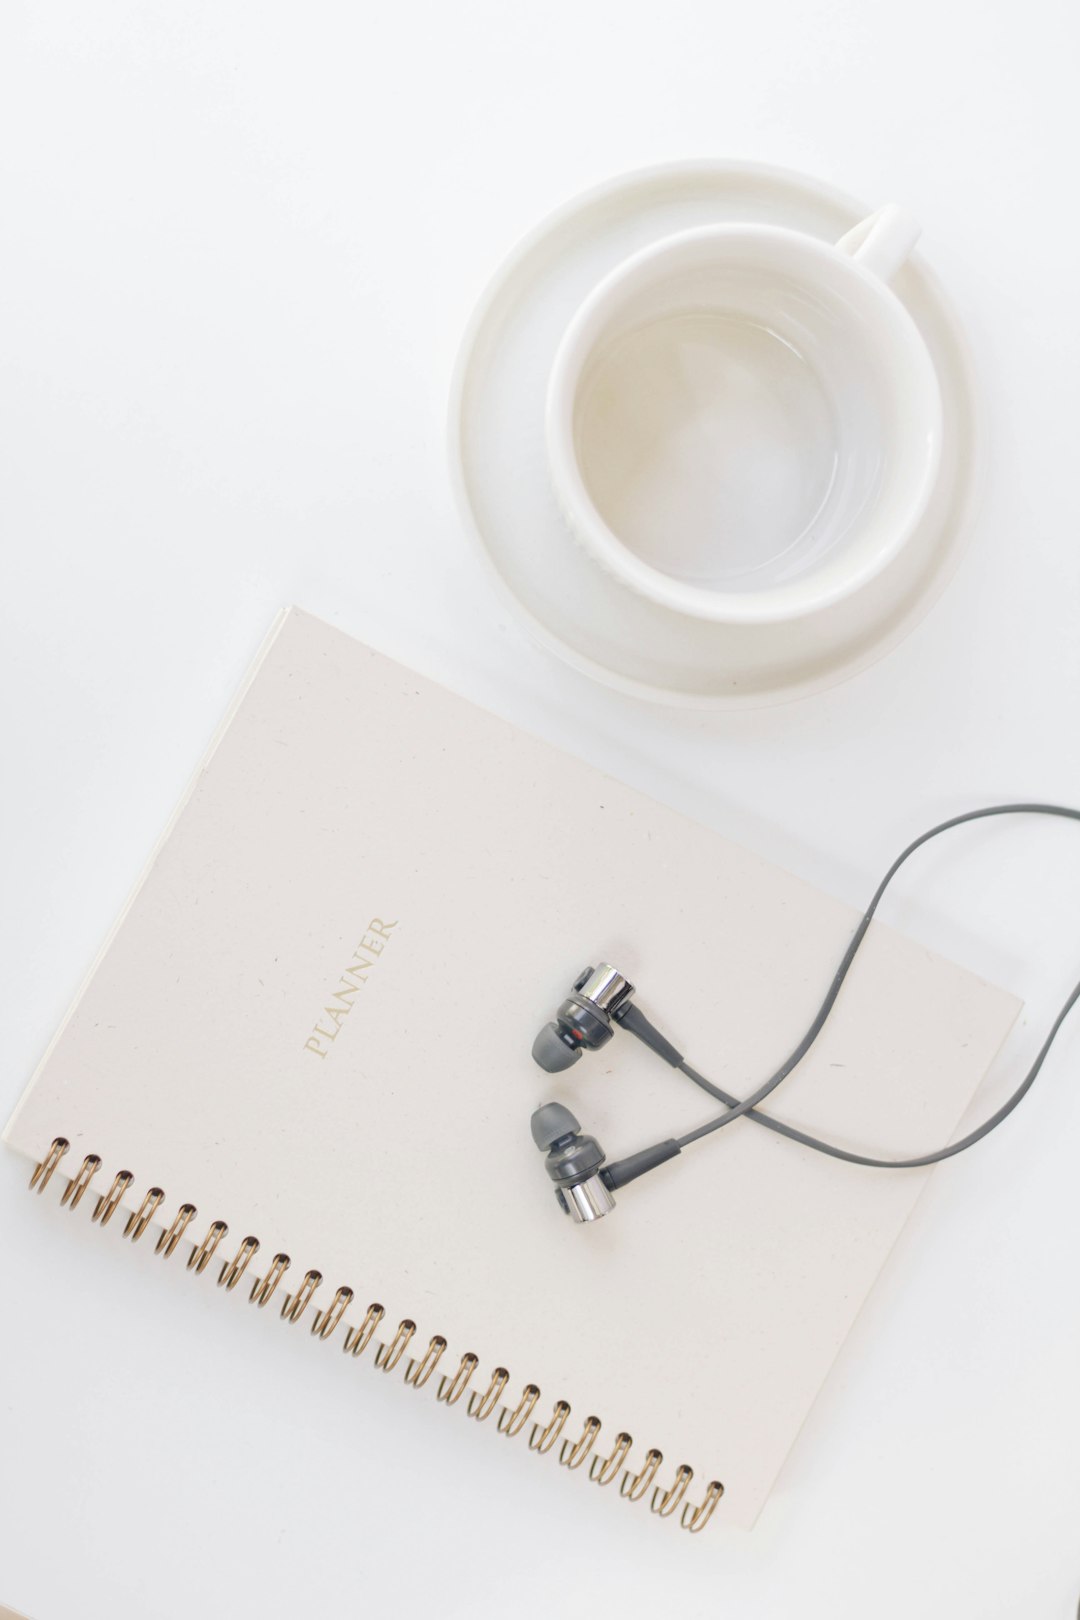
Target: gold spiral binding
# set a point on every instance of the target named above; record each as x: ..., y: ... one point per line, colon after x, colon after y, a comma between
x: 74, y: 1190
x: 480, y: 1406
x: 602, y: 1470
x: 634, y: 1489
x: 418, y: 1371
x: 665, y: 1502
x: 574, y: 1456
x: 293, y: 1306
x: 542, y: 1441
x: 452, y: 1389
x: 106, y: 1206
x: 200, y: 1258
x: 358, y: 1339
x: 511, y: 1423
x: 263, y: 1287
x: 231, y: 1273
x: 136, y: 1224
x: 183, y: 1218
x: 43, y: 1173
x: 696, y: 1518
x: 326, y: 1321
x: 387, y: 1356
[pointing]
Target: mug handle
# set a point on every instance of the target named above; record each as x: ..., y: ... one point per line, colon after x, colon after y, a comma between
x: 883, y: 241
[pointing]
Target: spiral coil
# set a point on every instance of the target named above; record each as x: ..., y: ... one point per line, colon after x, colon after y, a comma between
x: 419, y: 1369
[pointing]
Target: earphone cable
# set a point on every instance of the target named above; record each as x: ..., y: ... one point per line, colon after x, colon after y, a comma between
x: 748, y: 1106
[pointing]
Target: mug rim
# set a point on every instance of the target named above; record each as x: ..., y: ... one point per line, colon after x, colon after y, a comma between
x: 773, y: 604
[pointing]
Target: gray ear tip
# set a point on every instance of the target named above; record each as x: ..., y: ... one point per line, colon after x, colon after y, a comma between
x: 549, y: 1122
x: 551, y: 1051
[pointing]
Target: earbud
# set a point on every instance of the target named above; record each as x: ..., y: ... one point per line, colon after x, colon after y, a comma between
x: 584, y: 1019
x: 572, y: 1162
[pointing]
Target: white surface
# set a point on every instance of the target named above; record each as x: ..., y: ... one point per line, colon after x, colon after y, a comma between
x: 242, y: 244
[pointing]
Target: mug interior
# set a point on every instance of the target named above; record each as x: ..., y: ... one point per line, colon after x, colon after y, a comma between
x: 750, y: 413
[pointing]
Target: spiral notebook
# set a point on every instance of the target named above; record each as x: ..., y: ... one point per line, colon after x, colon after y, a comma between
x: 371, y: 897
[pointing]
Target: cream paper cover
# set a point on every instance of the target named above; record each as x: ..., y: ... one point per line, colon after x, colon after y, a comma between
x: 351, y: 812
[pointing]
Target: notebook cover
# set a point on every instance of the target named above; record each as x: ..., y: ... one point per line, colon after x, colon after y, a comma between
x: 314, y: 1018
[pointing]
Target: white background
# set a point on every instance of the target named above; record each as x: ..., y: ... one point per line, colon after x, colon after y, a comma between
x: 241, y: 243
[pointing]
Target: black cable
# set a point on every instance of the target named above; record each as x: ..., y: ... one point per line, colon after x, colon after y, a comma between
x: 748, y: 1105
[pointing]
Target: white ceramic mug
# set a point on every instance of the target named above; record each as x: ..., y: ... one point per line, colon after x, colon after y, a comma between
x: 743, y: 421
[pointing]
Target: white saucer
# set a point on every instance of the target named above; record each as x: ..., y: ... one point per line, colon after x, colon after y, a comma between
x: 499, y: 468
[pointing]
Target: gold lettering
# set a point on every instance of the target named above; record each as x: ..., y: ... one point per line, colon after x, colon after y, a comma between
x: 365, y: 955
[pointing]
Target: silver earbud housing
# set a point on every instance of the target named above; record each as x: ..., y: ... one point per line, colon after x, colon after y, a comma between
x: 605, y: 987
x: 586, y: 1201
x: 573, y: 1161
